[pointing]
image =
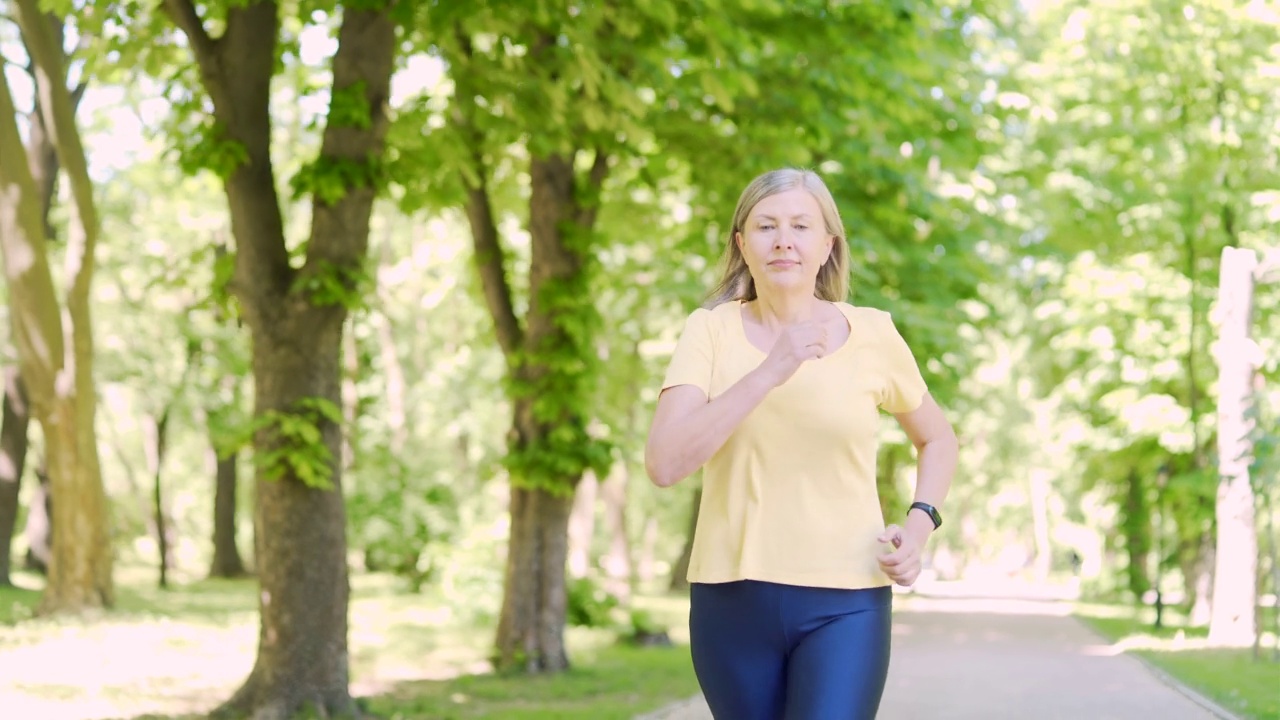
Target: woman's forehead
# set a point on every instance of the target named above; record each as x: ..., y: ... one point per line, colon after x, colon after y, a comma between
x: 789, y: 203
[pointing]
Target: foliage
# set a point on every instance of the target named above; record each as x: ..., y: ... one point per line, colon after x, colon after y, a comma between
x: 588, y: 604
x: 291, y: 441
x: 1038, y: 192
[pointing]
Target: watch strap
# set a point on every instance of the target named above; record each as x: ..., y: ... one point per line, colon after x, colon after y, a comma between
x: 929, y: 510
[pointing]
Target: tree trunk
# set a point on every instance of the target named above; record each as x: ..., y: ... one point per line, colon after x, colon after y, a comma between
x: 582, y: 526
x: 1136, y: 525
x: 55, y: 352
x: 617, y: 560
x: 42, y: 159
x: 156, y: 432
x: 226, y: 553
x: 1235, y: 569
x: 680, y: 571
x: 13, y: 458
x: 531, y: 628
x: 39, y: 528
x: 302, y: 644
x: 302, y: 662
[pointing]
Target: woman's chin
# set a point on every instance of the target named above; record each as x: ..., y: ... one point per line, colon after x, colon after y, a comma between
x: 788, y: 282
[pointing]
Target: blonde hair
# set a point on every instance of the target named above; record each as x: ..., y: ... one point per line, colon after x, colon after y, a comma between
x: 736, y: 282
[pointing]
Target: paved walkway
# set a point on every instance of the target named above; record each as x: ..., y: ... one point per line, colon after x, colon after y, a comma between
x: 969, y: 659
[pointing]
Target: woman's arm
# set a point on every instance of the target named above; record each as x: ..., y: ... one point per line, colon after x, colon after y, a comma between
x: 687, y: 429
x: 936, y: 456
x: 936, y: 451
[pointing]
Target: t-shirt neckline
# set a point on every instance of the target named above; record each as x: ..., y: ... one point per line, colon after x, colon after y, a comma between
x: 741, y: 325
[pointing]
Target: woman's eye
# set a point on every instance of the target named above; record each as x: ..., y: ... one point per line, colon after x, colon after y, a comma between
x: 801, y: 227
x: 766, y: 227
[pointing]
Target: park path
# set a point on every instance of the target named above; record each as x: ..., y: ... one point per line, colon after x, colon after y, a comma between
x: 965, y: 659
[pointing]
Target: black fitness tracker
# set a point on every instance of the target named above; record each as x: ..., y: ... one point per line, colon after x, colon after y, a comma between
x: 929, y: 510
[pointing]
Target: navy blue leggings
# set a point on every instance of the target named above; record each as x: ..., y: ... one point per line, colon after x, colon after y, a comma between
x: 764, y: 651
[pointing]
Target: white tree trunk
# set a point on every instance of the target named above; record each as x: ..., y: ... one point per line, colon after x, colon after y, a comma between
x: 1235, y: 564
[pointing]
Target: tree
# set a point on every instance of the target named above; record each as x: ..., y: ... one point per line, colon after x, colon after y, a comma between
x: 42, y: 157
x: 13, y: 455
x: 296, y: 314
x: 1236, y: 560
x: 57, y: 367
x: 622, y: 100
x: 1138, y: 173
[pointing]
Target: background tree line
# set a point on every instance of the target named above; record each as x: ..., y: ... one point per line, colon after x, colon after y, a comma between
x: 417, y: 267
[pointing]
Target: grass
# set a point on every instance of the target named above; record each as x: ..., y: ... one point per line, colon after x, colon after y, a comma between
x: 412, y: 656
x: 1229, y: 676
x: 17, y: 604
x: 613, y: 682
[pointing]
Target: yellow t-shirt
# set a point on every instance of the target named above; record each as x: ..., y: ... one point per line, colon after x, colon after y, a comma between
x: 791, y: 496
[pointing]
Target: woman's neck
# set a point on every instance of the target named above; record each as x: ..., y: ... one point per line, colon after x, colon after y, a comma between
x: 779, y: 310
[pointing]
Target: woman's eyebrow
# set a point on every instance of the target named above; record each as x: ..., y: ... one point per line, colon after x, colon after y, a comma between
x: 801, y: 216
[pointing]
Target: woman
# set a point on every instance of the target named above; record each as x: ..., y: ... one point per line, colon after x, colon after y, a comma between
x: 775, y: 389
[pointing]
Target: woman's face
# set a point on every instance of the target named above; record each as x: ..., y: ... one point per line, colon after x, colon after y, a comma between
x: 785, y: 241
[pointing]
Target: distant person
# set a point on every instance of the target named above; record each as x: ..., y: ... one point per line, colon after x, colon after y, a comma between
x: 775, y: 389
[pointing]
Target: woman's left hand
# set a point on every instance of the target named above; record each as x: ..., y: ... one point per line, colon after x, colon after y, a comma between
x: 902, y: 564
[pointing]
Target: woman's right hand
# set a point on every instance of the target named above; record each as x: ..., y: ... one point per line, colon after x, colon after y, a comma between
x: 794, y: 345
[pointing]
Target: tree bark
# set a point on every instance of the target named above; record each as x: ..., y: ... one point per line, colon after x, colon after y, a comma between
x: 39, y: 528
x: 13, y: 458
x: 1232, y: 620
x: 56, y: 352
x: 302, y: 661
x: 531, y: 627
x: 227, y: 562
x: 156, y: 440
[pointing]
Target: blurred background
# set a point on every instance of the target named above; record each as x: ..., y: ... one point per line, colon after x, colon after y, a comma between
x: 1069, y: 207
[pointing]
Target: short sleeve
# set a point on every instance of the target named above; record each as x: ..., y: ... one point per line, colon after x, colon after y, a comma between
x: 691, y: 362
x: 904, y: 387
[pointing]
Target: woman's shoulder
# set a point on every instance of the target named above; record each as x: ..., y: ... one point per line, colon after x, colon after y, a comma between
x: 720, y: 313
x: 712, y: 319
x: 864, y: 313
x: 870, y: 320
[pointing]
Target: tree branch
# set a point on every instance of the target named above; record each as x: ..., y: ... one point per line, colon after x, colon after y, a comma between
x: 588, y: 200
x: 58, y: 111
x: 489, y: 256
x: 184, y: 15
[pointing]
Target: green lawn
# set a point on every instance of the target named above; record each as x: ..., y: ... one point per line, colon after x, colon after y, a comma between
x: 411, y: 657
x: 609, y: 683
x: 1230, y: 677
x: 17, y: 604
